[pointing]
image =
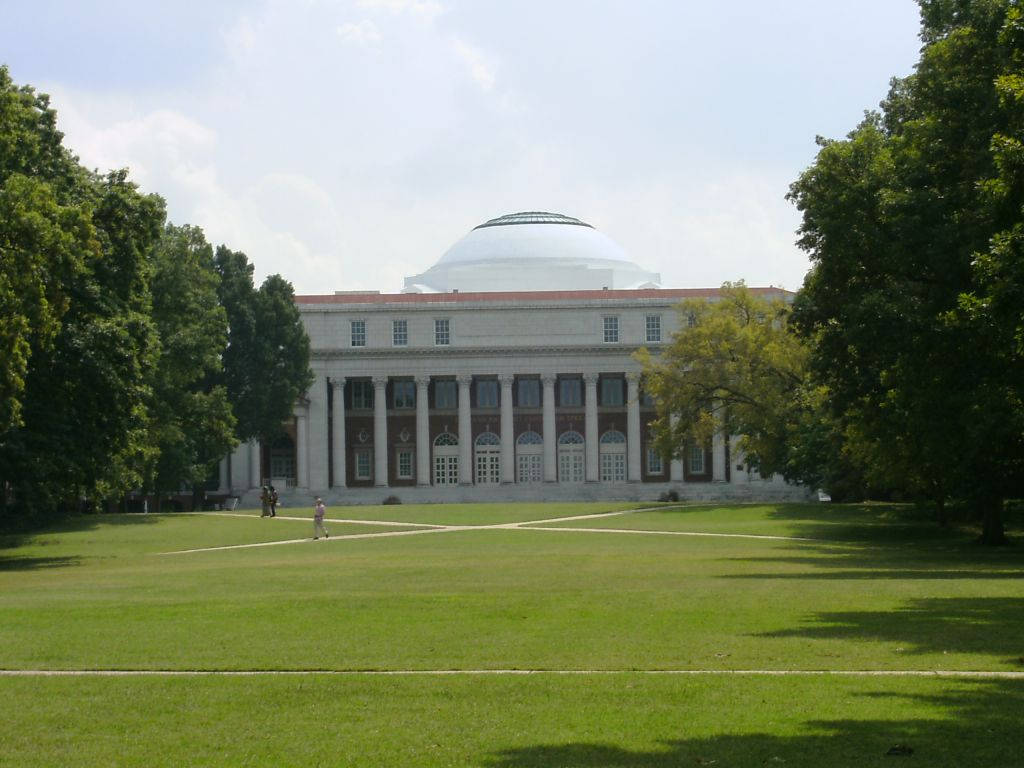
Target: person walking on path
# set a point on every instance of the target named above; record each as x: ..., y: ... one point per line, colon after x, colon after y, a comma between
x: 265, y: 501
x: 318, y: 520
x: 273, y: 501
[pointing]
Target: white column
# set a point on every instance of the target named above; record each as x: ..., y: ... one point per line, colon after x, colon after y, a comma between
x: 465, y: 432
x: 224, y: 482
x: 718, y: 449
x: 422, y: 430
x: 302, y: 449
x: 318, y: 435
x: 737, y: 459
x: 675, y: 467
x: 255, y: 476
x: 633, y: 465
x: 508, y: 443
x: 240, y: 468
x: 550, y: 438
x: 380, y: 431
x: 338, y: 431
x: 590, y: 379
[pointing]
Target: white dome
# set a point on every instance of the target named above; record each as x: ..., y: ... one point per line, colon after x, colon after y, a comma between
x: 532, y: 251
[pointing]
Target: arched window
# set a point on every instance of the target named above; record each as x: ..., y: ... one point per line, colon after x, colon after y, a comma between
x: 529, y: 458
x: 446, y: 459
x: 571, y: 457
x: 613, y: 457
x: 487, y: 449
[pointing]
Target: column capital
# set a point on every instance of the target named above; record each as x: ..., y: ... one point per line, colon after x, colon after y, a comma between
x: 632, y: 377
x: 336, y: 381
x: 464, y: 379
x: 379, y: 382
x: 590, y: 378
x: 548, y: 379
x: 422, y: 381
x: 506, y: 379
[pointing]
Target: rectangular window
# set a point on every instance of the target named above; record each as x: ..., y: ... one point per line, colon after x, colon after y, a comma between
x: 486, y: 393
x: 611, y: 392
x: 691, y: 320
x: 362, y: 395
x: 570, y: 393
x: 653, y: 328
x: 446, y: 394
x: 529, y: 393
x: 646, y: 400
x: 442, y: 333
x: 399, y: 333
x: 611, y: 329
x: 655, y: 464
x: 404, y: 394
x: 363, y: 464
x: 696, y: 459
x: 404, y: 464
x: 358, y: 333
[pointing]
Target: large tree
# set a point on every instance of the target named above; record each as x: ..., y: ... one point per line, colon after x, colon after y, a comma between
x: 735, y: 366
x: 192, y: 424
x: 266, y: 362
x: 910, y: 224
x: 74, y: 285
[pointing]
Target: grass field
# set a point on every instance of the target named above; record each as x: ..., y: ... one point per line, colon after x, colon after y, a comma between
x: 630, y: 596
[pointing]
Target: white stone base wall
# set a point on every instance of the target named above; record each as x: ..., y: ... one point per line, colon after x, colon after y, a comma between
x: 639, y: 492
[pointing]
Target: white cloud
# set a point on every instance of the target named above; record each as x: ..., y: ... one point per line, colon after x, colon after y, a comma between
x: 427, y: 9
x: 480, y: 69
x: 363, y: 32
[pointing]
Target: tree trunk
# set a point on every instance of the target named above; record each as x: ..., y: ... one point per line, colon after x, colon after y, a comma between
x: 992, y: 533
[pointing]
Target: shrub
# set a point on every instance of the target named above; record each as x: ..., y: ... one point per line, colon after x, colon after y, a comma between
x: 392, y: 500
x: 669, y: 496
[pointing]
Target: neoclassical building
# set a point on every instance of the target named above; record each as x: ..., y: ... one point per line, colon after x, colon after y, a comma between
x: 506, y: 370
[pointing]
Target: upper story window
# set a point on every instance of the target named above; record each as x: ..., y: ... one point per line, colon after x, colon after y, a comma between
x: 570, y: 392
x: 486, y: 393
x: 442, y: 332
x: 653, y: 328
x: 611, y: 392
x: 691, y: 320
x: 646, y: 399
x: 611, y: 329
x: 404, y: 394
x: 358, y: 333
x: 399, y: 333
x: 529, y: 393
x: 446, y: 394
x: 362, y: 395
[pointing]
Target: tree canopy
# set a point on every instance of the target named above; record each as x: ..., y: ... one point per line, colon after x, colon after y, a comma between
x: 114, y: 336
x: 913, y: 303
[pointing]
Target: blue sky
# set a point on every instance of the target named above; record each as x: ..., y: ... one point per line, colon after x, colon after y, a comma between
x: 348, y: 143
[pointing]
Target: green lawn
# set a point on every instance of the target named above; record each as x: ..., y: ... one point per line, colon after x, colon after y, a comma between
x: 878, y: 588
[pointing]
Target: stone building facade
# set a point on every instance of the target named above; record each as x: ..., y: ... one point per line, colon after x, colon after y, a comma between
x: 443, y: 394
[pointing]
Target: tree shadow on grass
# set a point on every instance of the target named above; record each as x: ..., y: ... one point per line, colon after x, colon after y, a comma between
x: 979, y: 726
x: 992, y: 626
x: 36, y: 563
x: 76, y: 524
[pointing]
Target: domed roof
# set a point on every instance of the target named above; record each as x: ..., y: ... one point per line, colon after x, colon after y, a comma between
x: 534, y: 235
x: 532, y: 251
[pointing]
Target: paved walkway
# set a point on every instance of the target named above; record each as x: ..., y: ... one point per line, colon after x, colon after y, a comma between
x: 950, y: 673
x: 546, y: 524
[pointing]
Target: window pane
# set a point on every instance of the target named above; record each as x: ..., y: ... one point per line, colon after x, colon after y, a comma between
x: 404, y: 394
x: 654, y: 327
x: 442, y: 333
x: 445, y: 394
x: 400, y: 333
x: 529, y: 393
x: 362, y: 394
x: 487, y: 393
x: 611, y: 392
x: 358, y: 333
x: 611, y: 329
x: 571, y: 392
